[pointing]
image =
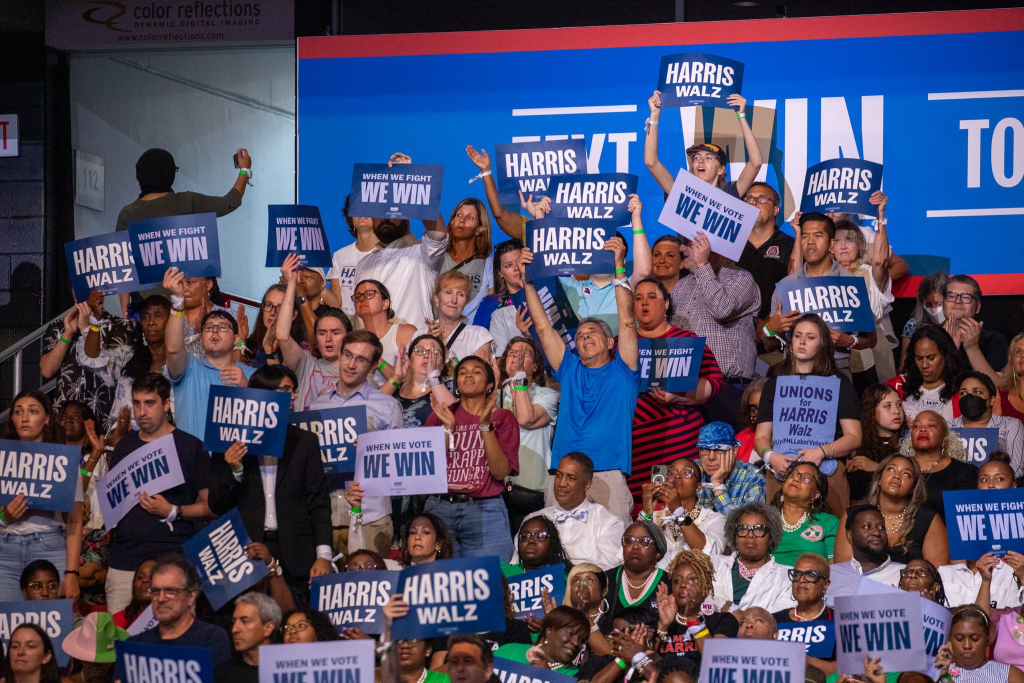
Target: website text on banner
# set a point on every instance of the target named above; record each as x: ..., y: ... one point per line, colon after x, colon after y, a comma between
x: 954, y: 172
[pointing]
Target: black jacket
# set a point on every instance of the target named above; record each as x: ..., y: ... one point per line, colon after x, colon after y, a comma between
x: 303, y: 505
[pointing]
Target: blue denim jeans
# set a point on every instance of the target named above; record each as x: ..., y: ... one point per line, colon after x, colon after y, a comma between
x: 17, y: 551
x: 478, y: 528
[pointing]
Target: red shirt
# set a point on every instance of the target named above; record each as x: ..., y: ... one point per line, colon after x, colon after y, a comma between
x: 467, y: 462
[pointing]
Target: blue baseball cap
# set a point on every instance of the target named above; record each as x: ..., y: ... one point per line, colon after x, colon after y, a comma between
x: 717, y: 436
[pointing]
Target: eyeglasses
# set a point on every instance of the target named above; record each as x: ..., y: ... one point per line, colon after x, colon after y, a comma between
x: 359, y: 360
x: 644, y: 541
x: 758, y: 199
x: 364, y: 296
x: 39, y: 585
x: 539, y: 535
x: 804, y: 576
x: 222, y: 329
x: 757, y: 531
x: 286, y: 389
x: 410, y: 641
x: 752, y: 409
x: 298, y: 627
x: 682, y: 474
x: 271, y: 308
x: 169, y: 593
x: 420, y: 351
x: 965, y: 297
x: 704, y: 156
x: 915, y: 574
x: 805, y: 478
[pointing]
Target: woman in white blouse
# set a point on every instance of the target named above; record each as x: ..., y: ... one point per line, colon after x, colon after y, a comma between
x: 750, y: 577
x: 451, y: 294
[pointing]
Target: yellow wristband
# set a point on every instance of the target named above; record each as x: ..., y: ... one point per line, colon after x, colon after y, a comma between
x: 94, y: 328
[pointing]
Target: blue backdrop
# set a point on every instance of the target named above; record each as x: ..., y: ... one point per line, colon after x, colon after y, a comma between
x: 918, y: 104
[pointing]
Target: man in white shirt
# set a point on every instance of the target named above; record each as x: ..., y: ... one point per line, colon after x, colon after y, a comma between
x: 342, y: 273
x: 405, y: 264
x: 865, y: 530
x: 589, y: 532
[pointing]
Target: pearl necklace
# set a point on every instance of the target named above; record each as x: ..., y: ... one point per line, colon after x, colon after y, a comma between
x: 790, y: 528
x: 897, y: 518
x: 746, y: 572
x: 796, y: 613
x: 642, y: 588
x: 423, y: 676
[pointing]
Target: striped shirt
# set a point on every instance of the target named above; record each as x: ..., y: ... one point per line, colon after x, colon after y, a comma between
x: 664, y: 433
x: 1011, y: 438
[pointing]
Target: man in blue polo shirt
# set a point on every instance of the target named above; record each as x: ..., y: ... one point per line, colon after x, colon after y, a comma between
x: 192, y: 377
x: 599, y: 390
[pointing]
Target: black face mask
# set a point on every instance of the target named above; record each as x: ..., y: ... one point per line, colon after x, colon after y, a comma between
x: 972, y: 407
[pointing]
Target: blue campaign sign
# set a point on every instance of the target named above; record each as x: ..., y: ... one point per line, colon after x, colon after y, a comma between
x: 258, y: 417
x: 53, y: 616
x: 695, y: 79
x: 102, y: 262
x: 508, y: 671
x: 559, y: 310
x: 343, y: 661
x: 808, y: 101
x: 46, y: 473
x: 805, y: 412
x: 670, y: 363
x: 297, y: 229
x: 731, y: 660
x: 354, y: 599
x: 979, y: 443
x: 527, y: 590
x: 818, y: 636
x: 449, y: 597
x: 979, y: 522
x: 936, y: 631
x: 601, y: 196
x: 189, y: 243
x: 337, y: 429
x: 141, y: 662
x: 409, y: 191
x: 218, y: 554
x: 402, y: 462
x: 886, y: 625
x: 842, y: 186
x: 694, y: 206
x: 530, y: 166
x: 566, y: 246
x: 842, y: 302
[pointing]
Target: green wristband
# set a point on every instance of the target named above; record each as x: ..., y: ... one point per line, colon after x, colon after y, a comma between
x: 85, y: 472
x: 620, y: 271
x: 383, y: 364
x: 522, y: 388
x: 244, y: 171
x: 622, y: 664
x: 64, y: 340
x: 395, y: 384
x: 638, y: 231
x: 356, y: 511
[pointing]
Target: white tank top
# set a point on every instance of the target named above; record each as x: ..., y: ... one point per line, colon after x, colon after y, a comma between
x: 390, y: 343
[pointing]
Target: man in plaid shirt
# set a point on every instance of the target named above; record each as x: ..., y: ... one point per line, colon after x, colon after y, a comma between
x: 728, y: 483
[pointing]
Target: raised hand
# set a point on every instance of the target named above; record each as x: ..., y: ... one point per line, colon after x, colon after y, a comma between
x: 399, y: 158
x: 480, y: 159
x: 243, y: 322
x: 84, y: 313
x: 234, y: 377
x: 654, y: 102
x: 444, y: 414
x: 290, y: 268
x: 234, y: 454
x: 121, y: 428
x: 738, y: 101
x: 174, y: 281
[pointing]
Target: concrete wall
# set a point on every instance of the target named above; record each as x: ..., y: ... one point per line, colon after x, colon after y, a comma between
x: 201, y: 106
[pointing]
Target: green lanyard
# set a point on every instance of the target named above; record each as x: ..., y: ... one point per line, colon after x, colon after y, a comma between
x: 622, y: 588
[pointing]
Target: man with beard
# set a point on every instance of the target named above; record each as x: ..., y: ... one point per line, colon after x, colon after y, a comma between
x: 865, y: 531
x: 405, y: 264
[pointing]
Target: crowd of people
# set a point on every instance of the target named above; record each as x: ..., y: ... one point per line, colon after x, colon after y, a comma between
x: 673, y: 514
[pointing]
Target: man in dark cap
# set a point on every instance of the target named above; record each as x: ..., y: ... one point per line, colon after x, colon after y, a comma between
x: 155, y: 172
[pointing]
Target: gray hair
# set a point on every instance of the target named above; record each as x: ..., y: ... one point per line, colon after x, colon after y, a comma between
x: 771, y: 516
x: 606, y: 329
x: 267, y: 609
x: 655, y: 532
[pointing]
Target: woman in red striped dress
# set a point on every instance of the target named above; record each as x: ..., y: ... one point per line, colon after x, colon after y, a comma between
x: 665, y: 426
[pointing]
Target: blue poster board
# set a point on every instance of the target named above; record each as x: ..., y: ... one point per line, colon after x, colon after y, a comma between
x: 354, y: 599
x: 979, y: 443
x: 449, y: 597
x: 842, y: 186
x: 137, y: 662
x: 53, y: 616
x: 988, y: 521
x: 337, y: 429
x: 189, y: 243
x: 599, y: 196
x: 102, y: 262
x: 819, y: 636
x: 259, y: 417
x: 403, y: 191
x: 508, y: 671
x: 297, y: 229
x: 45, y: 473
x: 670, y: 363
x: 529, y: 166
x: 527, y: 590
x: 805, y: 412
x: 842, y: 302
x: 563, y: 247
x: 695, y: 79
x: 218, y: 554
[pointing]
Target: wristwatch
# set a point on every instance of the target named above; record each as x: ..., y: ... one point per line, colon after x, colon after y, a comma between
x: 487, y: 428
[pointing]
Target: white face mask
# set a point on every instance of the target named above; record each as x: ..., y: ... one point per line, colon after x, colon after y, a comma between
x: 936, y: 315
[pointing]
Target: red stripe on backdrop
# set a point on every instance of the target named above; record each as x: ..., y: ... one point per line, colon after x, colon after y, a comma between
x: 649, y: 35
x: 992, y: 284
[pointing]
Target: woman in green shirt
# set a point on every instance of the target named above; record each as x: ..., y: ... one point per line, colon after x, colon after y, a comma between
x: 806, y: 527
x: 563, y: 633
